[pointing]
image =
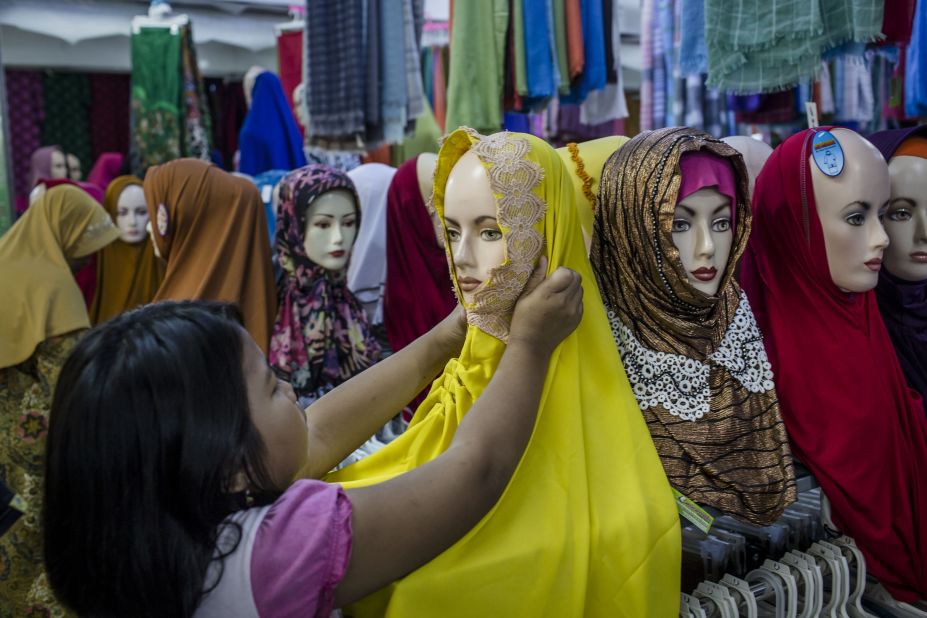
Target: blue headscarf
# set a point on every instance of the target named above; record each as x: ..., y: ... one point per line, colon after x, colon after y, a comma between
x: 269, y: 138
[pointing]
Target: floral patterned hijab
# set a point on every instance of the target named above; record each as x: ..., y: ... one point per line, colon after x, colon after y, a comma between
x: 321, y: 336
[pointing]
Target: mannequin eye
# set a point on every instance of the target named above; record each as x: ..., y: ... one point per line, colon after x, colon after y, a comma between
x: 453, y: 235
x: 322, y: 225
x: 680, y: 226
x: 721, y: 225
x: 349, y: 223
x: 856, y: 219
x: 901, y: 215
x: 491, y: 235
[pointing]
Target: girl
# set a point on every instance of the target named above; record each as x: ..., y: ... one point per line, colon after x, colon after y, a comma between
x: 173, y: 448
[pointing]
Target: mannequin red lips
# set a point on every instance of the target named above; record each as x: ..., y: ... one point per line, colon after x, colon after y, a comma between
x: 337, y: 254
x: 705, y: 274
x: 875, y: 264
x: 919, y: 257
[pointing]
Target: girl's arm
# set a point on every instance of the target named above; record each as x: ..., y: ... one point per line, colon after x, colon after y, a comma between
x: 449, y: 495
x: 347, y: 416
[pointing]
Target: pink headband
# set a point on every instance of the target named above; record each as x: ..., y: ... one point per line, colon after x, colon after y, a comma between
x: 700, y: 170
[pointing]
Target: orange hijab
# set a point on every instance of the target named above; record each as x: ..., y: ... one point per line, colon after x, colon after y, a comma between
x: 128, y: 275
x: 209, y: 227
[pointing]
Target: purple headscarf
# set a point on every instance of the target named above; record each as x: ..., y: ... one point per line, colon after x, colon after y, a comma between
x: 700, y: 169
x: 903, y: 304
x: 321, y: 336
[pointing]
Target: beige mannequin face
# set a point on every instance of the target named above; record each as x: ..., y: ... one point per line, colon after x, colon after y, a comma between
x: 331, y: 227
x: 702, y: 233
x: 470, y: 214
x: 755, y: 154
x: 848, y: 207
x: 906, y: 219
x: 132, y: 215
x: 425, y: 170
x: 59, y: 168
x: 74, y: 167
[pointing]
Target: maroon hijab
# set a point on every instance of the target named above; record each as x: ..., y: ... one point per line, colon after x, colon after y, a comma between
x: 850, y: 416
x: 418, y: 292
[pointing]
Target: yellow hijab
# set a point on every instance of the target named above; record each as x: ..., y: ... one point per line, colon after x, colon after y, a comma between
x: 128, y: 275
x: 40, y: 297
x: 585, y: 162
x: 587, y: 526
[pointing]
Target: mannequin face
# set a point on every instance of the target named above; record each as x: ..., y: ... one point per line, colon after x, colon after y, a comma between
x: 905, y: 220
x: 59, y: 168
x: 702, y: 233
x: 132, y: 215
x: 331, y: 227
x: 74, y: 168
x: 470, y: 214
x: 849, y: 206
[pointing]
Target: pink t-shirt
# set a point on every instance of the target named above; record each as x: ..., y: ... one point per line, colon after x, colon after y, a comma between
x: 289, y: 559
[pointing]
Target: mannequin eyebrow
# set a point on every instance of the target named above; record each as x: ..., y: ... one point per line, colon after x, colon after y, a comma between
x: 866, y: 206
x: 907, y: 200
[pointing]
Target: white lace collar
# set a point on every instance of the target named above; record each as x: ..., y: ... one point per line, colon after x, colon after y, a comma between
x: 679, y: 383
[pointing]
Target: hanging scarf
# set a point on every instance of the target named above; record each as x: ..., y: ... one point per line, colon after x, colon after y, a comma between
x: 128, y: 275
x: 903, y: 304
x: 269, y: 138
x: 321, y: 336
x: 156, y: 96
x: 851, y: 418
x: 367, y: 272
x: 40, y: 296
x: 696, y: 362
x: 418, y: 292
x: 209, y: 228
x: 586, y: 526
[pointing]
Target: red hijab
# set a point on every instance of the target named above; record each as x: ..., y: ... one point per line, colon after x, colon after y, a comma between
x: 850, y: 416
x: 418, y: 292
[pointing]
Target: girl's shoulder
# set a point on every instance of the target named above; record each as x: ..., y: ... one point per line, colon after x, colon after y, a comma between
x: 283, y: 558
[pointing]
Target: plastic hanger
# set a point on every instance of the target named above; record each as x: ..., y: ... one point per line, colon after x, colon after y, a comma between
x: 159, y: 16
x: 817, y: 576
x: 791, y: 585
x: 720, y: 596
x: 741, y: 588
x: 806, y: 587
x: 773, y: 584
x: 850, y: 551
x: 833, y: 607
x: 693, y: 605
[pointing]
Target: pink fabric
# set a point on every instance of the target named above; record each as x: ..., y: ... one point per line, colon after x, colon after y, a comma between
x: 105, y: 169
x: 704, y: 169
x: 301, y: 551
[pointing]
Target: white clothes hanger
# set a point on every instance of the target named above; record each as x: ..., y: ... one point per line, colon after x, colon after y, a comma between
x: 741, y: 588
x: 693, y: 606
x: 850, y: 551
x: 833, y: 604
x: 297, y: 22
x: 774, y: 585
x: 808, y: 589
x: 159, y: 16
x: 720, y: 596
x: 791, y: 585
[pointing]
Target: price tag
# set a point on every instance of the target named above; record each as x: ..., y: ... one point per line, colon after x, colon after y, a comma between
x: 827, y: 153
x: 811, y: 112
x: 693, y: 512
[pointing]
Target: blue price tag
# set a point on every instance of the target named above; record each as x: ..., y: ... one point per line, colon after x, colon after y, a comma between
x: 827, y: 153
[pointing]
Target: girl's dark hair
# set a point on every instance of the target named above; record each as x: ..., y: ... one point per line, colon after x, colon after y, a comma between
x: 149, y: 429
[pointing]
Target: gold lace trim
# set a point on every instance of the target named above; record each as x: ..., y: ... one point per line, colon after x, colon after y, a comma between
x: 581, y: 174
x: 513, y: 178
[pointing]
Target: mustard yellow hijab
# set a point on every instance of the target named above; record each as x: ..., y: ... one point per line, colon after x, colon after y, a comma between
x: 40, y: 296
x: 587, y: 525
x: 585, y: 162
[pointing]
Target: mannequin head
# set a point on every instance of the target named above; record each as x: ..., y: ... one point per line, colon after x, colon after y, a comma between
x: 702, y: 221
x: 74, y: 171
x: 48, y: 162
x: 476, y: 242
x: 849, y: 207
x: 132, y: 215
x: 906, y: 219
x: 425, y: 170
x: 755, y: 153
x: 298, y: 93
x: 248, y: 82
x: 330, y: 229
x: 59, y: 166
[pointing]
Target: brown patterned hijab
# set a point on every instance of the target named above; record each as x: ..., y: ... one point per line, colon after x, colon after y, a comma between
x: 696, y: 362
